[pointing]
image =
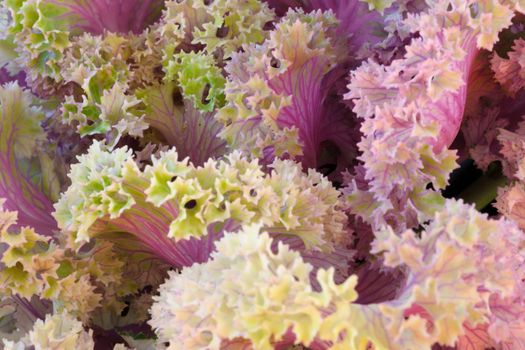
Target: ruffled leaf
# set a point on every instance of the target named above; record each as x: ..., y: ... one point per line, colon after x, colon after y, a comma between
x: 20, y: 137
x: 115, y: 114
x: 60, y: 330
x: 199, y: 78
x: 234, y: 23
x: 509, y: 72
x: 193, y: 133
x: 170, y: 206
x: 259, y: 309
x: 413, y: 108
x: 278, y: 102
x: 453, y: 266
x: 358, y: 25
x: 45, y: 28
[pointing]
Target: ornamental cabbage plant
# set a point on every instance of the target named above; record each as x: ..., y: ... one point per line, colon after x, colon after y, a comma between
x: 262, y: 174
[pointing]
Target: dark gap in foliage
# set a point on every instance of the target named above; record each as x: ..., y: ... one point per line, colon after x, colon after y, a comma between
x: 461, y: 178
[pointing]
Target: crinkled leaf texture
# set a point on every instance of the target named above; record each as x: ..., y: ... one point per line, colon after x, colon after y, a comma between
x: 412, y: 110
x: 40, y: 271
x: 92, y: 16
x: 281, y: 99
x: 43, y: 29
x: 246, y: 291
x: 200, y: 79
x: 58, y: 331
x: 357, y: 23
x: 176, y: 210
x: 27, y: 173
x: 455, y: 268
x: 192, y: 132
x: 97, y: 16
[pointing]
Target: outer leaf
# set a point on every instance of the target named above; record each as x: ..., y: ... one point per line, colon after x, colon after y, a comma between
x: 20, y: 133
x: 177, y: 209
x: 280, y: 97
x: 413, y: 108
x: 457, y: 262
